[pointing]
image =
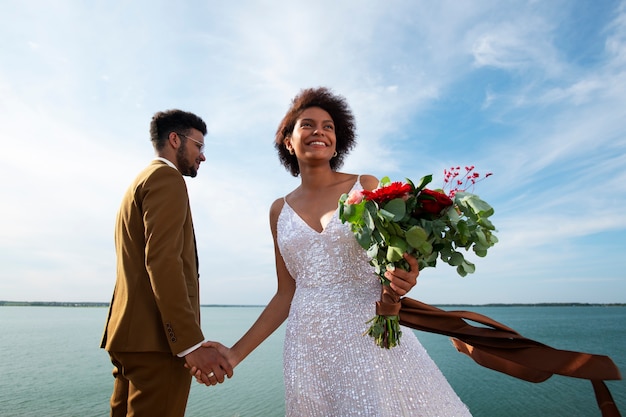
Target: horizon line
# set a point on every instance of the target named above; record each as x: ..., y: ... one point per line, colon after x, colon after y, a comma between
x: 106, y: 304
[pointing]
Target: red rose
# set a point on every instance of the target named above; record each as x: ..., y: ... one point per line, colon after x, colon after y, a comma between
x: 388, y: 192
x: 433, y: 202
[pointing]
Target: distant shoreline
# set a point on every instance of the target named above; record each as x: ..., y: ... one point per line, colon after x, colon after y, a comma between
x: 99, y: 304
x: 91, y: 304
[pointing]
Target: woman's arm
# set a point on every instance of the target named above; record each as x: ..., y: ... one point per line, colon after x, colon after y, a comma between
x: 274, y: 314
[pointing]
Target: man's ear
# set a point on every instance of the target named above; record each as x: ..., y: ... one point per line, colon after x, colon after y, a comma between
x: 174, y: 140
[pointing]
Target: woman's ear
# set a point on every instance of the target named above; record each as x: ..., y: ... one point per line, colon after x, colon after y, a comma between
x: 287, y: 143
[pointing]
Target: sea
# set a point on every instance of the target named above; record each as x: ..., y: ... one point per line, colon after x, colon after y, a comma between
x: 51, y: 363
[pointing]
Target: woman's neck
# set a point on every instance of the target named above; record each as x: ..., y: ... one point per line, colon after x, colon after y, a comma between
x: 314, y: 178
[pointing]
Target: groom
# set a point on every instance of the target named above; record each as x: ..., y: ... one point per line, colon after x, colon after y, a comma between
x: 153, y: 328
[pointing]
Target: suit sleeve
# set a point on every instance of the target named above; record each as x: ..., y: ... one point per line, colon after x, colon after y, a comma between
x: 171, y: 257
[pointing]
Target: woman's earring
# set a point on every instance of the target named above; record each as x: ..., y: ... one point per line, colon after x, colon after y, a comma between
x: 335, y: 154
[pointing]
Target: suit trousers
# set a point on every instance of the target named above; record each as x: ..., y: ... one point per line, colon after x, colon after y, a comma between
x: 149, y: 384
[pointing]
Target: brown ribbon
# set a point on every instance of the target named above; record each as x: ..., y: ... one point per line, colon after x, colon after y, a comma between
x: 501, y: 348
x: 389, y: 304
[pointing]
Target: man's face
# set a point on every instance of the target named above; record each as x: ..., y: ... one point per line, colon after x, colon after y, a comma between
x: 191, y: 153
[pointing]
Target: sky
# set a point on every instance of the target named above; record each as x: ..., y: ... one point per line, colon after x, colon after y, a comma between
x: 532, y: 91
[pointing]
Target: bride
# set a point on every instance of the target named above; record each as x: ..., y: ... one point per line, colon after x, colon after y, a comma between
x: 327, y: 289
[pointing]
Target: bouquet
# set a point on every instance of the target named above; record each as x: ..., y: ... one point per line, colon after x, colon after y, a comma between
x: 401, y: 217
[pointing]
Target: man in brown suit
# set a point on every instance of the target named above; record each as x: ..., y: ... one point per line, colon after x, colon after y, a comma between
x: 153, y: 328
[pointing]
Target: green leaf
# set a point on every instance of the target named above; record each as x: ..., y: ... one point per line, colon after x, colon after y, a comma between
x: 397, y: 230
x: 456, y: 259
x: 368, y: 217
x: 480, y: 237
x: 364, y: 237
x: 431, y: 258
x: 416, y: 236
x: 372, y: 251
x: 480, y: 251
x: 486, y: 223
x: 397, y: 247
x: 477, y: 205
x: 468, y: 267
x: 446, y: 252
x: 425, y: 249
x: 462, y: 228
x: 352, y: 213
x: 424, y: 182
x: 385, y: 215
x: 397, y: 209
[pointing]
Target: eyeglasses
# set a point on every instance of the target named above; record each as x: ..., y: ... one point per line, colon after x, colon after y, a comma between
x: 201, y: 147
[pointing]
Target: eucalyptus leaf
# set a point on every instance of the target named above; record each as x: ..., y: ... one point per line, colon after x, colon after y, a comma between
x: 368, y: 219
x: 364, y: 237
x: 479, y: 251
x: 478, y: 206
x: 462, y: 228
x: 431, y: 258
x: 481, y: 237
x: 388, y: 230
x: 425, y: 249
x: 353, y: 213
x: 456, y: 259
x: 372, y: 251
x: 397, y: 247
x: 486, y: 223
x: 416, y: 236
x: 469, y: 267
x: 397, y: 230
x: 396, y: 207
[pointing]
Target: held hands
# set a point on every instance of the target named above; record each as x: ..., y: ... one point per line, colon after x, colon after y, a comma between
x: 211, y: 362
x: 403, y: 281
x: 208, y: 365
x: 225, y: 353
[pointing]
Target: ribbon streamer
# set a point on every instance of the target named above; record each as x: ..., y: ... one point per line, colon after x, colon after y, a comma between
x: 502, y: 349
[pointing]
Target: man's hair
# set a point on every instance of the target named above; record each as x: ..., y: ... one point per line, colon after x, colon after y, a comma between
x: 165, y: 122
x: 339, y: 111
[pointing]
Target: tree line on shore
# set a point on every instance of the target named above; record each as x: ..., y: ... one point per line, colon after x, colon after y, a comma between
x: 102, y: 304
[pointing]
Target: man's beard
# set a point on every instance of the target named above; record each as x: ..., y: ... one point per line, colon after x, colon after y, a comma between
x: 183, y: 164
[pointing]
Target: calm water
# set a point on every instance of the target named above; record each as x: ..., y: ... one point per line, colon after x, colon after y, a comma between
x: 50, y: 364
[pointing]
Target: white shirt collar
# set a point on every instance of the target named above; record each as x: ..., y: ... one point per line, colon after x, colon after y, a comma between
x: 167, y: 161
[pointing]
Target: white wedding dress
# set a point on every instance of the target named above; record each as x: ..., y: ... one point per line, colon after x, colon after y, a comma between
x: 330, y: 368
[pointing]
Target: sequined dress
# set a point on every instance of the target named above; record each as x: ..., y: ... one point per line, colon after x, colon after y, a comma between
x: 330, y: 368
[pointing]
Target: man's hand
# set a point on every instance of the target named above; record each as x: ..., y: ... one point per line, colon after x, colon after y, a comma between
x: 223, y: 350
x: 211, y: 365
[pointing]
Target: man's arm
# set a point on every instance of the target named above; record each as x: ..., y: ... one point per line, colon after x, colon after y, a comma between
x: 170, y: 257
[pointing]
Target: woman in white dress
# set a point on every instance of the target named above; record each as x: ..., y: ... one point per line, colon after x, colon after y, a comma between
x: 327, y: 290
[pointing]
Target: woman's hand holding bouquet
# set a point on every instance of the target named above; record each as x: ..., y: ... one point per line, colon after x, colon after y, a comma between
x: 401, y: 217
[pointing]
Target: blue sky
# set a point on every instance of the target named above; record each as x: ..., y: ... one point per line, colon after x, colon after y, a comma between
x: 532, y: 91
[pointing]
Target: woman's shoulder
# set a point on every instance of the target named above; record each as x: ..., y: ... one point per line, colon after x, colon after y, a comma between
x: 368, y: 182
x: 275, y: 210
x: 277, y: 205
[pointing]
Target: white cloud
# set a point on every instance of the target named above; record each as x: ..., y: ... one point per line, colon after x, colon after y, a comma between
x: 79, y: 84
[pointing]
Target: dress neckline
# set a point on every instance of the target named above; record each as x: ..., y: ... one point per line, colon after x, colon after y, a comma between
x: 324, y: 227
x: 308, y: 226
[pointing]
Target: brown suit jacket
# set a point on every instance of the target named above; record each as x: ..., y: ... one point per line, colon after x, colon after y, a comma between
x: 155, y: 305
